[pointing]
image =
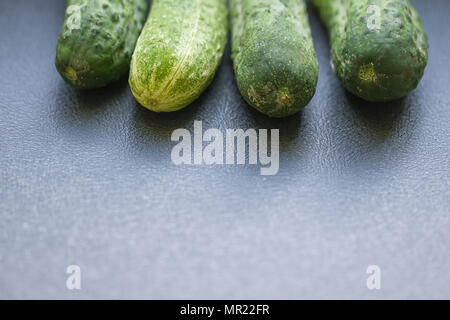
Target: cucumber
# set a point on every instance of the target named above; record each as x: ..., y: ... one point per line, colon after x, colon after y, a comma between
x: 97, y: 40
x: 379, y: 47
x: 178, y: 52
x: 273, y: 53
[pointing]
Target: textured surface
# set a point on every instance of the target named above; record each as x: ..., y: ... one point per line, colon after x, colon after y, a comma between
x: 178, y: 52
x: 86, y: 179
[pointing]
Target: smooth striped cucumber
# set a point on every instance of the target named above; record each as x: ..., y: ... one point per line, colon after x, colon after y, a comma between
x: 97, y: 40
x: 274, y: 59
x: 379, y: 47
x: 178, y: 52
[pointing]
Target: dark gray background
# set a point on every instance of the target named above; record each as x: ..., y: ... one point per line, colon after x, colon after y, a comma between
x: 86, y: 179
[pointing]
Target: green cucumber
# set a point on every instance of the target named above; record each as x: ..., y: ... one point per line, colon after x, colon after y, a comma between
x: 274, y: 59
x: 379, y: 47
x: 97, y: 40
x: 178, y: 52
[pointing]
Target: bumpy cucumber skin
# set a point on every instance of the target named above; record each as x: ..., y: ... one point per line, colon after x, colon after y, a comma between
x: 178, y: 52
x: 376, y: 65
x: 274, y: 59
x: 99, y: 51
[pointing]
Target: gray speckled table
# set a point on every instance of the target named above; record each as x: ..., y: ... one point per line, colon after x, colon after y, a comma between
x: 86, y: 179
